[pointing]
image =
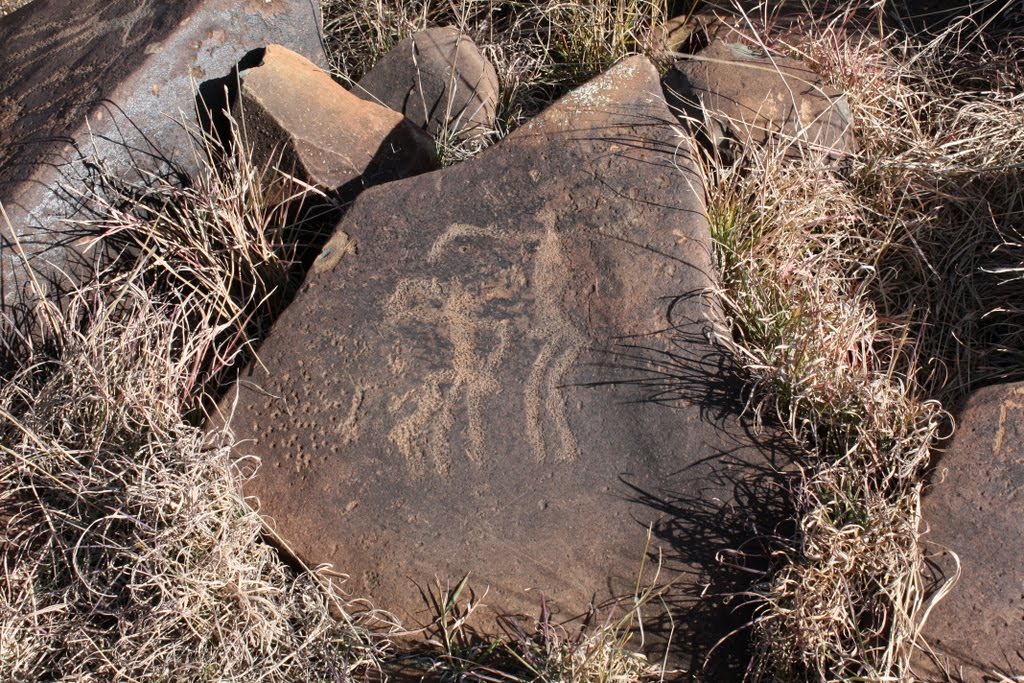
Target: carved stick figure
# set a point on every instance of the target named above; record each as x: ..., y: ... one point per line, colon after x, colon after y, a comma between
x: 471, y: 377
x: 479, y: 344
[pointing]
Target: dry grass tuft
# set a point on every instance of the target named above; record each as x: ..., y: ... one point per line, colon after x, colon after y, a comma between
x: 603, y: 648
x: 863, y: 299
x: 225, y: 246
x: 128, y: 552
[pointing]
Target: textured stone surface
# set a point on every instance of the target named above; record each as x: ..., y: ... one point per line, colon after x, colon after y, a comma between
x: 126, y: 70
x: 438, y: 79
x: 753, y: 98
x: 501, y: 369
x: 976, y: 510
x: 8, y: 6
x: 298, y: 118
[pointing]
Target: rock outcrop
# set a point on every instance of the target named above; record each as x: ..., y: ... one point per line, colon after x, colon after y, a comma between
x: 502, y: 369
x: 117, y: 77
x: 298, y: 119
x: 975, y: 510
x: 735, y: 94
x: 440, y: 81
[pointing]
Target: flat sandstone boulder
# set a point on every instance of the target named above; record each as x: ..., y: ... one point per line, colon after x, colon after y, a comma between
x: 735, y: 92
x: 297, y: 118
x: 975, y: 511
x: 117, y: 77
x: 501, y: 369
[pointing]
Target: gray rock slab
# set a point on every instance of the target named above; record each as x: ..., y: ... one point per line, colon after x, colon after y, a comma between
x: 439, y: 80
x: 501, y: 369
x: 114, y: 77
x: 975, y: 511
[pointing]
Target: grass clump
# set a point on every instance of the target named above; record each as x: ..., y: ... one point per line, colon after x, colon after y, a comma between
x: 863, y: 298
x: 826, y: 366
x: 128, y: 552
x: 600, y: 649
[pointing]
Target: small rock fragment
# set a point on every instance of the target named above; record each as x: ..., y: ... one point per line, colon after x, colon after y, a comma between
x: 295, y: 116
x: 439, y: 80
x: 734, y: 92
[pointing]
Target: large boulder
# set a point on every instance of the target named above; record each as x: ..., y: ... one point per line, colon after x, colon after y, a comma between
x: 439, y: 80
x: 113, y: 77
x: 502, y: 369
x: 736, y: 94
x: 298, y: 118
x: 973, y: 515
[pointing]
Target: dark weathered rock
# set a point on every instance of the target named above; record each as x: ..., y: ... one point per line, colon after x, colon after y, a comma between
x: 975, y: 509
x: 439, y: 80
x: 127, y: 71
x: 732, y: 91
x: 299, y: 119
x: 501, y: 369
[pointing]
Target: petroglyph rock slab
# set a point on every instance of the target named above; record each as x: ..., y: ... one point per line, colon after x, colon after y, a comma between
x: 299, y: 119
x: 975, y: 510
x: 733, y: 91
x: 127, y: 71
x: 439, y: 80
x: 501, y: 369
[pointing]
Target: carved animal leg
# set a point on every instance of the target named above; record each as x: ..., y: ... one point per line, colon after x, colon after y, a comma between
x: 413, y: 435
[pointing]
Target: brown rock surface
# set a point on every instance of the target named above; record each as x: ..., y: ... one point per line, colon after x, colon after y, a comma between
x: 439, y: 80
x: 753, y: 98
x: 501, y: 368
x: 297, y: 116
x: 126, y: 70
x: 976, y: 510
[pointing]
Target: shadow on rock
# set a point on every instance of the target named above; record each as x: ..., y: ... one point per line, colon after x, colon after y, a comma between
x: 722, y: 544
